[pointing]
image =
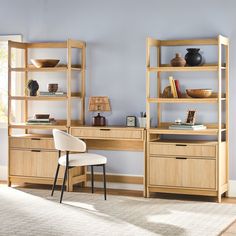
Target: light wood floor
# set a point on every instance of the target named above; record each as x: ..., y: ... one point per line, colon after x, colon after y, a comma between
x: 230, y: 231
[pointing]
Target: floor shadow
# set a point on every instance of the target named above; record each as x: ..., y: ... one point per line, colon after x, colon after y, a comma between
x: 140, y: 212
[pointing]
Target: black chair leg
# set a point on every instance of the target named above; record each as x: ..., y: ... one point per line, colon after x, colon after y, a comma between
x: 104, y: 182
x: 55, y: 179
x: 63, y: 185
x: 92, y: 179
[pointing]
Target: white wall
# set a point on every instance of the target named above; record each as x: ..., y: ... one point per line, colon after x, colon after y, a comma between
x: 4, y: 153
x: 115, y: 32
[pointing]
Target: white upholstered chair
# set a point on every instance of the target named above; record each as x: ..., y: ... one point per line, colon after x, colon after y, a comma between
x: 67, y: 143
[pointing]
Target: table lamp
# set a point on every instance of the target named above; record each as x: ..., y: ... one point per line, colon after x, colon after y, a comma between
x: 99, y: 104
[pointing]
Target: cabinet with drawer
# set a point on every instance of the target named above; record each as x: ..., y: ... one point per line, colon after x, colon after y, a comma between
x: 186, y: 167
x: 195, y: 150
x: 183, y: 149
x: 34, y: 163
x: 183, y: 172
x: 33, y: 159
x: 32, y: 142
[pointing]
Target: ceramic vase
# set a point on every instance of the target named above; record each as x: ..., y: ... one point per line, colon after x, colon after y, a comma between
x: 193, y: 57
x: 178, y: 60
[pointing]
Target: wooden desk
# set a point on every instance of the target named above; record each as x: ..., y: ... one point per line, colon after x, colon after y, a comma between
x: 33, y: 158
x: 114, y: 138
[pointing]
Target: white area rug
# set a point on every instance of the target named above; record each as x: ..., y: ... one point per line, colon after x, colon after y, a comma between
x: 29, y: 212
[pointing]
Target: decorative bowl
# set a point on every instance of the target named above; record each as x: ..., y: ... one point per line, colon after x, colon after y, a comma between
x: 41, y: 116
x: 39, y: 63
x: 52, y: 88
x: 199, y: 93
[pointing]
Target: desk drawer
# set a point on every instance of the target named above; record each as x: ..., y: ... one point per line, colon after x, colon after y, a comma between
x: 32, y: 142
x: 34, y: 163
x: 183, y: 149
x: 107, y: 133
x: 183, y: 172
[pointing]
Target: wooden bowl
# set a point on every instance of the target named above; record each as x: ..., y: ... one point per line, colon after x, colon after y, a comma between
x: 199, y: 93
x: 52, y: 88
x: 42, y: 116
x: 39, y: 63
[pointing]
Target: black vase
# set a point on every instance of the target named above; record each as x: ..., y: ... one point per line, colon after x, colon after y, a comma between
x: 33, y: 87
x: 193, y: 57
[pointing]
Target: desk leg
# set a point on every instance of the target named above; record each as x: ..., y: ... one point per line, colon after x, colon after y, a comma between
x: 69, y: 181
x: 84, y: 184
x: 145, y: 192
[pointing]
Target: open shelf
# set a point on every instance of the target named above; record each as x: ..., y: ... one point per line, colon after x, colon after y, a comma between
x: 45, y: 69
x: 185, y: 68
x: 184, y: 100
x: 39, y: 98
x: 164, y: 130
x: 65, y: 44
x: 57, y: 125
x: 45, y: 98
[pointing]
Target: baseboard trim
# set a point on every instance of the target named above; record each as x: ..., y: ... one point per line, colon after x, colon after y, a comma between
x: 232, y: 188
x: 3, y: 172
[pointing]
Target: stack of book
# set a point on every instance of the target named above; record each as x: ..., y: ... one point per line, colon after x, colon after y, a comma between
x: 175, y: 87
x: 58, y: 93
x: 37, y: 121
x: 184, y: 126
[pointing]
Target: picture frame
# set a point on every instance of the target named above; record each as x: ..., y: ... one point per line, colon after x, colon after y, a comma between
x: 191, y: 117
x: 131, y: 121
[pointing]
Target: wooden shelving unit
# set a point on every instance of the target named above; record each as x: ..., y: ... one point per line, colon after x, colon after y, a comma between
x: 32, y: 157
x: 182, y: 166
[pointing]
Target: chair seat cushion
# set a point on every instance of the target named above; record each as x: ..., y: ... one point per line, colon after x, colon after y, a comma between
x: 83, y: 159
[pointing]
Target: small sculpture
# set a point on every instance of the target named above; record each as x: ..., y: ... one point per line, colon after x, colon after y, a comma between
x: 178, y: 60
x: 33, y: 87
x: 167, y: 92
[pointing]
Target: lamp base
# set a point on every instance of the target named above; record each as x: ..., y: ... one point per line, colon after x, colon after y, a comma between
x: 99, y: 120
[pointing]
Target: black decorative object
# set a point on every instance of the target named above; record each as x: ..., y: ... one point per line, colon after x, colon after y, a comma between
x: 193, y: 57
x: 33, y: 87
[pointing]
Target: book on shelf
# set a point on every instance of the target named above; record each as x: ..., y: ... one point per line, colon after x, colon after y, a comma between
x: 41, y: 121
x: 45, y: 93
x: 177, y: 86
x: 185, y: 126
x: 173, y: 87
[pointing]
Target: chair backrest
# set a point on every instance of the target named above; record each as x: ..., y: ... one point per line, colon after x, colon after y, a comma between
x: 67, y: 142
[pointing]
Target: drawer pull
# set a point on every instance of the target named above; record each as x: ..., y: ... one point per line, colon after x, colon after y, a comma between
x: 36, y: 139
x: 35, y: 151
x: 105, y: 129
x: 181, y: 158
x: 181, y: 145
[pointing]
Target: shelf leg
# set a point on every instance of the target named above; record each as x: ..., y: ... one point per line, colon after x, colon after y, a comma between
x: 226, y: 194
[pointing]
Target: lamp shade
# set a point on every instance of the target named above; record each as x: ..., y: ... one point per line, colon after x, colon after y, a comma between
x: 99, y: 103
